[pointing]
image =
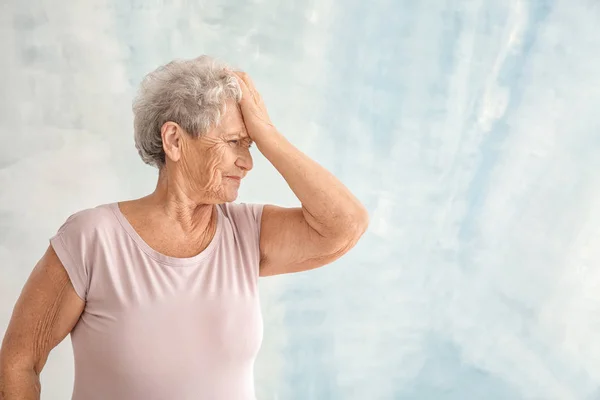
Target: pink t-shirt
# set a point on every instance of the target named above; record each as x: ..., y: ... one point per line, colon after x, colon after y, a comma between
x: 163, y: 328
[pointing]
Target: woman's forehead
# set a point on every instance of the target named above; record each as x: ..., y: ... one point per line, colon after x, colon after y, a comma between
x: 230, y: 130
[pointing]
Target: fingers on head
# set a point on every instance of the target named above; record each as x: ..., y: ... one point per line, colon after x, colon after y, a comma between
x: 247, y: 85
x: 241, y: 80
x: 246, y: 78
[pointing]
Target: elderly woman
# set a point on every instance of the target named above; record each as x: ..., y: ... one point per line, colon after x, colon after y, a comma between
x: 160, y: 293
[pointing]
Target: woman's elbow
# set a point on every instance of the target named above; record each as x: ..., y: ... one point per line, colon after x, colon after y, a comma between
x: 353, y: 227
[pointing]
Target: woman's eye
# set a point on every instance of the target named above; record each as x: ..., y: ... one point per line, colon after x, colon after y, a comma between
x: 241, y: 142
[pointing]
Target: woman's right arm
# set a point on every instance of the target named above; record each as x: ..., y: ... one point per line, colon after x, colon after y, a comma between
x: 45, y: 313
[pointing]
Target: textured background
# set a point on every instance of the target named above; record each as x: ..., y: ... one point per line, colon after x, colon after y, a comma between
x: 470, y: 129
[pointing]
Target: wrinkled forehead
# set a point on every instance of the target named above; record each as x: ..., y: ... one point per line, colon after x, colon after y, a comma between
x: 231, y: 123
x: 232, y: 119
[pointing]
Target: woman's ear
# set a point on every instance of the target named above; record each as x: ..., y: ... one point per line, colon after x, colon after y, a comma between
x: 171, y: 140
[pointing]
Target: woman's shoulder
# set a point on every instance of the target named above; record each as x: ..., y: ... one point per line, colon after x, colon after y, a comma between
x: 90, y: 219
x: 242, y: 212
x: 242, y: 227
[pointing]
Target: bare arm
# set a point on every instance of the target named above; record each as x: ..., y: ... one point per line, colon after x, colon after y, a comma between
x: 331, y: 219
x: 46, y: 311
x: 329, y: 223
x: 288, y: 243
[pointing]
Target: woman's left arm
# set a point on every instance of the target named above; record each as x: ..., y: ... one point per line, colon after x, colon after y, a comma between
x: 331, y: 219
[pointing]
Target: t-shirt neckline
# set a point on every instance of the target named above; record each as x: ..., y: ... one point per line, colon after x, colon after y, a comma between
x: 162, y: 258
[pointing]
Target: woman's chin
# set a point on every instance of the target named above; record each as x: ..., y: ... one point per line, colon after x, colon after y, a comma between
x: 230, y: 195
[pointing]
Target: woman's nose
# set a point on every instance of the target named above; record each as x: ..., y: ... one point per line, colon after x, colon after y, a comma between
x: 244, y: 161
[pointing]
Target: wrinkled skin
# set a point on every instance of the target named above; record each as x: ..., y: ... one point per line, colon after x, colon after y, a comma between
x: 208, y: 170
x: 178, y: 219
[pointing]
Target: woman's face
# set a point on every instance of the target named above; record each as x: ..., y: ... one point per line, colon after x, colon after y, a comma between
x: 212, y: 166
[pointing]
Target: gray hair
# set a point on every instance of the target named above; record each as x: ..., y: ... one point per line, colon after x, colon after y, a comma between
x: 191, y: 93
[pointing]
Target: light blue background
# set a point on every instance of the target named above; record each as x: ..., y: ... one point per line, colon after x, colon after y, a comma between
x: 470, y: 129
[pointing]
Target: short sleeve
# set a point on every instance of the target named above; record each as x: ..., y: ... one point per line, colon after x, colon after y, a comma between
x: 246, y: 221
x: 256, y: 211
x: 70, y: 245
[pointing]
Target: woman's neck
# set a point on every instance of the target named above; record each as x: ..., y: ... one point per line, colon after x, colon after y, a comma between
x: 169, y: 199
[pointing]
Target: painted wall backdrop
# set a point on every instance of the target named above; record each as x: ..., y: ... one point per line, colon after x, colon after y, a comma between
x: 470, y: 129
